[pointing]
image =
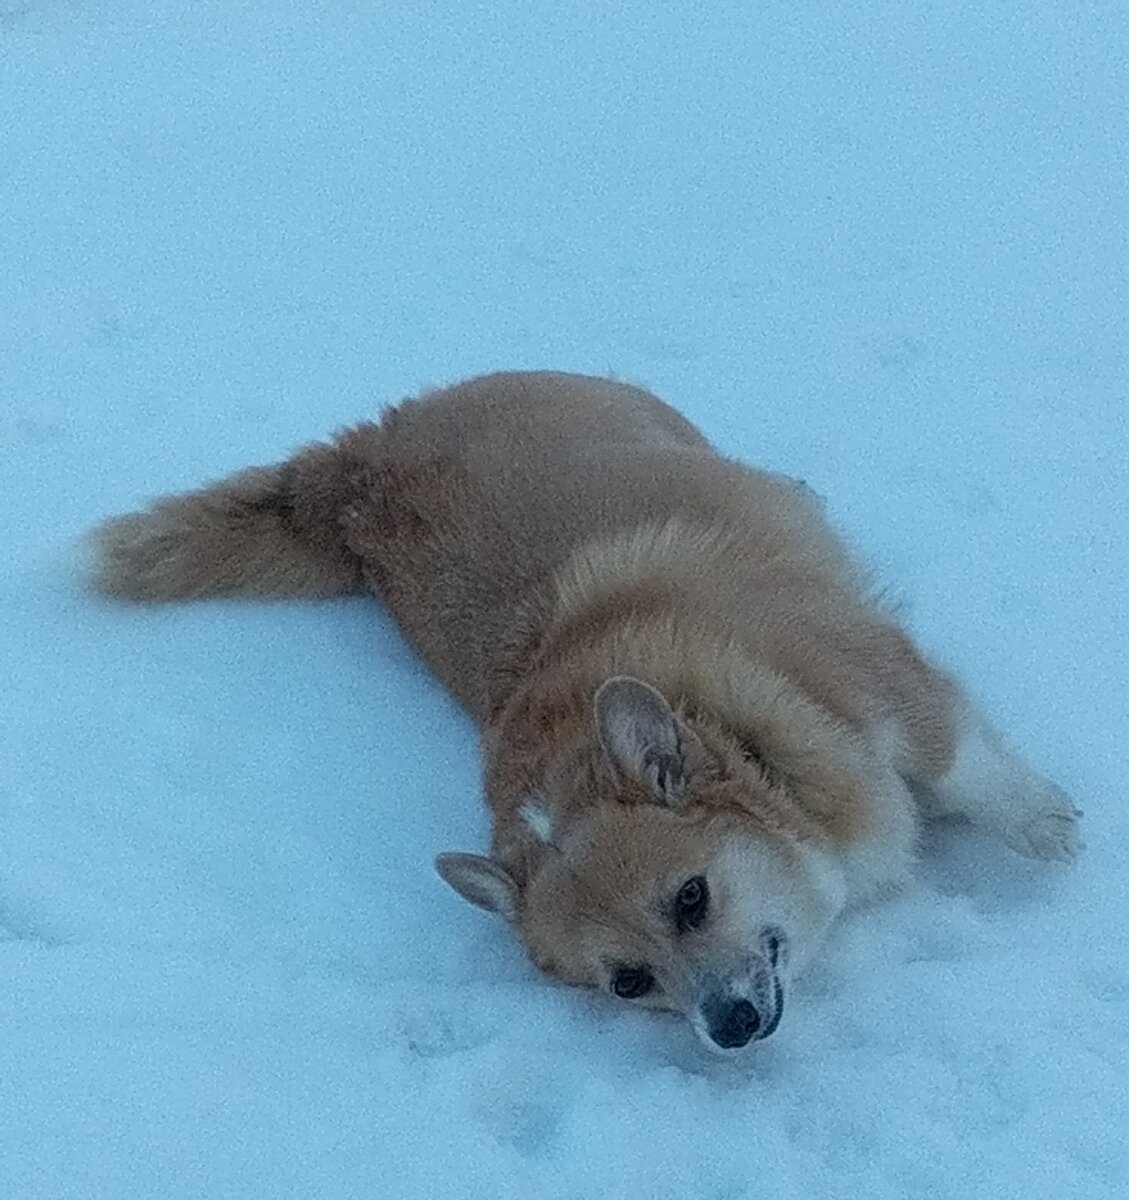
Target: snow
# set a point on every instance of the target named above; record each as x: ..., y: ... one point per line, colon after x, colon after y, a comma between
x: 878, y: 245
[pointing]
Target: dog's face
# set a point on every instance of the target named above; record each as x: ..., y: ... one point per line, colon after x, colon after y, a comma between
x: 660, y: 892
x: 661, y: 909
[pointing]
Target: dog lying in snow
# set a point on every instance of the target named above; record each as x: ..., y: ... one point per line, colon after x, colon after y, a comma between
x: 702, y: 738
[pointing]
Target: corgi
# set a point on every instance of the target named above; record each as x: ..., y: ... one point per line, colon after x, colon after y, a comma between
x: 703, y: 739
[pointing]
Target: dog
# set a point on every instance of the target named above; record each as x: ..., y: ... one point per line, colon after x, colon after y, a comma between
x: 703, y: 737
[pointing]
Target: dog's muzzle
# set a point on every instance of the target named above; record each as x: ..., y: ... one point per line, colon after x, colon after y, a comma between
x: 732, y: 1026
x: 733, y: 1023
x: 746, y: 1006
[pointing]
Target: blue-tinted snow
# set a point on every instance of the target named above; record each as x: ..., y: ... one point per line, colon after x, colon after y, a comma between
x: 878, y: 245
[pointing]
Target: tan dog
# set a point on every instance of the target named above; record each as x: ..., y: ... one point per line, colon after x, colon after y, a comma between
x: 702, y: 738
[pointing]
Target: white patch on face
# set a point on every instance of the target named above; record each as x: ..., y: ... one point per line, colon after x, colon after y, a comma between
x: 537, y: 821
x: 770, y: 890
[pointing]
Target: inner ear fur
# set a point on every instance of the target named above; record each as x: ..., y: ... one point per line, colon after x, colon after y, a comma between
x: 482, y: 881
x: 643, y: 737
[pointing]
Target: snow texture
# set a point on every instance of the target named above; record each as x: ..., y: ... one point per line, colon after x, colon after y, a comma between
x: 875, y: 244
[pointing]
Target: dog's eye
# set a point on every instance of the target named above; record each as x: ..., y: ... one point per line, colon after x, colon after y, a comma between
x: 630, y: 983
x: 691, y: 904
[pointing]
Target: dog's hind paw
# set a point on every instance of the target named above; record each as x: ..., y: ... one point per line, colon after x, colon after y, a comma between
x: 1051, y: 834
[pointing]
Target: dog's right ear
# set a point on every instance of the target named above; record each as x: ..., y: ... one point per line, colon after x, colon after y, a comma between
x: 646, y: 741
x: 481, y: 881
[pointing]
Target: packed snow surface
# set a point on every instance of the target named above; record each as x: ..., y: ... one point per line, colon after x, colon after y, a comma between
x: 878, y: 245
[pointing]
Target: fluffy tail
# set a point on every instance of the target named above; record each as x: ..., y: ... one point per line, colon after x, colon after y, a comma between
x: 266, y: 532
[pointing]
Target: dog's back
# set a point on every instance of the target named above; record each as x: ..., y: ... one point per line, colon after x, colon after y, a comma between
x: 461, y: 505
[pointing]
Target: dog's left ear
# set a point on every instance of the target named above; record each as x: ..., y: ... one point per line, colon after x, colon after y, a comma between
x: 482, y: 881
x: 643, y: 737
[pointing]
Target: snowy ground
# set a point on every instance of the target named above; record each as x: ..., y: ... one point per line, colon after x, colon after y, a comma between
x: 877, y: 244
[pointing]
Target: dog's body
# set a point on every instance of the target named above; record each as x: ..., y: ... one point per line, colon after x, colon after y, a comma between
x: 702, y: 738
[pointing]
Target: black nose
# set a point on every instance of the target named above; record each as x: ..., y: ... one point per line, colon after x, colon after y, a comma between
x: 735, y: 1025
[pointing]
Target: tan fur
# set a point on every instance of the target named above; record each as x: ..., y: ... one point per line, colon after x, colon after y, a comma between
x: 269, y: 531
x: 537, y: 535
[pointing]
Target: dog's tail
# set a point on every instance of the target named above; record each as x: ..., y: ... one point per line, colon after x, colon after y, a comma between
x: 278, y: 531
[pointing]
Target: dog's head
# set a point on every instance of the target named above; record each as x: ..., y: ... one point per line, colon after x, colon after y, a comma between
x: 667, y: 887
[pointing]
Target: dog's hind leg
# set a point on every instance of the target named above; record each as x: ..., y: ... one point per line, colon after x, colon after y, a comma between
x: 989, y: 783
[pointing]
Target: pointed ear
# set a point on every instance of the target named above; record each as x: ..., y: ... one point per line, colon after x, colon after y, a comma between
x: 481, y: 881
x: 643, y: 737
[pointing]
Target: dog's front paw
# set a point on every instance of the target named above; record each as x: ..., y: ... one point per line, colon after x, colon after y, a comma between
x: 1050, y: 834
